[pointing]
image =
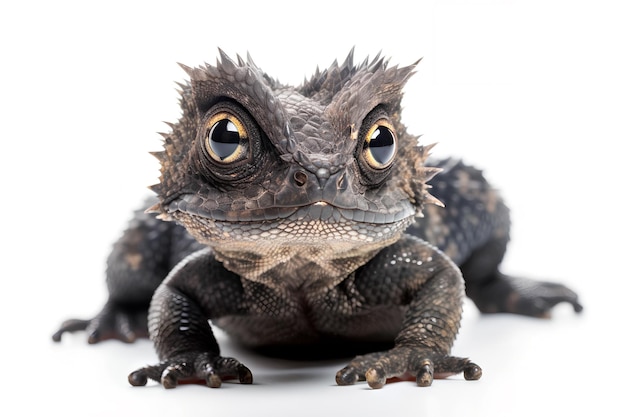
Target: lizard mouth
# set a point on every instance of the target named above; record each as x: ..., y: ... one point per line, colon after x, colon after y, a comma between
x: 190, y: 204
x: 318, y: 224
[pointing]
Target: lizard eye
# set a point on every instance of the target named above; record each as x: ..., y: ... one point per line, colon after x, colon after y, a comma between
x: 379, y: 147
x: 227, y: 139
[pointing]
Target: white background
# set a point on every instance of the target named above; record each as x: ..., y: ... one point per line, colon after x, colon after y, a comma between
x: 531, y: 91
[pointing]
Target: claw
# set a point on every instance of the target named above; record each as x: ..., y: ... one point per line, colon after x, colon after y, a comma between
x: 169, y: 380
x: 577, y: 306
x: 94, y: 336
x: 245, y: 375
x: 138, y: 379
x: 346, y: 376
x: 472, y: 372
x: 375, y: 377
x: 425, y: 374
x: 213, y: 380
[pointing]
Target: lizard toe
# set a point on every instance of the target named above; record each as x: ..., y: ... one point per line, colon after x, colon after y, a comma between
x: 402, y: 363
x: 193, y: 367
x: 114, y: 321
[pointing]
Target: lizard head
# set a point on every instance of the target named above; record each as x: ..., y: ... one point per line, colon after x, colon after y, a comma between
x: 253, y: 161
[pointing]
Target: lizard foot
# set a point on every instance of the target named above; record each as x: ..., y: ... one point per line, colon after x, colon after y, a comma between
x: 377, y: 368
x: 113, y: 322
x: 524, y: 296
x: 193, y: 367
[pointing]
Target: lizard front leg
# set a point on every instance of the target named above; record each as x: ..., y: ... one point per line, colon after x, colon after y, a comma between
x: 195, y: 291
x: 416, y: 275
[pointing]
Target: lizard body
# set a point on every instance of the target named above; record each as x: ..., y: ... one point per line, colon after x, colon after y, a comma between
x: 292, y: 223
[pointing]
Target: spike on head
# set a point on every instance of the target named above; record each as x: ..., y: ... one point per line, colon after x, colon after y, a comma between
x: 412, y: 175
x: 155, y: 208
x: 188, y: 70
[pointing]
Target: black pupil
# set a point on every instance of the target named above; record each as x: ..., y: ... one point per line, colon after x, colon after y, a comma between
x: 382, y: 145
x: 224, y: 138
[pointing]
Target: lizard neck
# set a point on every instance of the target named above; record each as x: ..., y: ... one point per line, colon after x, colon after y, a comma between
x: 316, y: 266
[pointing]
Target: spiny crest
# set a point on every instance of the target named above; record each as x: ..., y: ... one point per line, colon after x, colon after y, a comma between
x: 176, y: 145
x: 244, y: 82
x: 324, y: 85
x: 412, y: 175
x: 241, y: 78
x: 227, y: 69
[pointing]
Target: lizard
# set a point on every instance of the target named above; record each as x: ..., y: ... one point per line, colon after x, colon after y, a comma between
x: 303, y: 216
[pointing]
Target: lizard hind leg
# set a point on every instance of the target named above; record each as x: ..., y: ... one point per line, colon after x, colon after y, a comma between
x: 115, y: 321
x: 495, y: 292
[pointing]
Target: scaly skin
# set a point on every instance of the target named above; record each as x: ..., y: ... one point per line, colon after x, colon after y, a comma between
x: 292, y: 223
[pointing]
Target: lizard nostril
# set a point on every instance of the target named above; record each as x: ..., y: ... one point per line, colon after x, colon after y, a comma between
x: 300, y: 178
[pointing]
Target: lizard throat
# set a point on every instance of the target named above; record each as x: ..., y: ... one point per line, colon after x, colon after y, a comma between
x: 320, y: 244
